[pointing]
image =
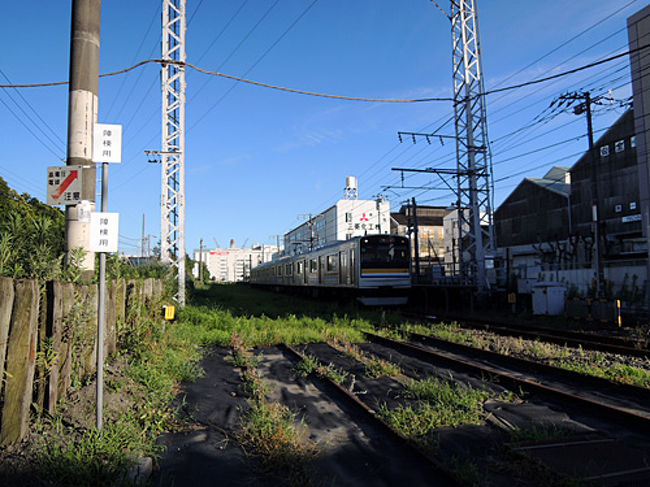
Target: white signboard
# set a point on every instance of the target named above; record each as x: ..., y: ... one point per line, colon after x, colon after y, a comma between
x: 104, y: 232
x: 631, y: 218
x: 107, y: 143
x: 63, y: 185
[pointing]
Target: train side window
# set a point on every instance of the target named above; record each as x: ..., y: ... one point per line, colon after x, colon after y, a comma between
x: 279, y: 271
x: 298, y: 267
x: 331, y: 263
x: 313, y: 266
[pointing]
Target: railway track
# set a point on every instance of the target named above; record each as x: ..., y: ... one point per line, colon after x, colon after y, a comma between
x: 589, y: 341
x: 352, y: 399
x: 622, y: 403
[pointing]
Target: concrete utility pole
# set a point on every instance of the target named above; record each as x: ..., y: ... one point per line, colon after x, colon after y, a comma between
x: 585, y: 107
x: 82, y: 115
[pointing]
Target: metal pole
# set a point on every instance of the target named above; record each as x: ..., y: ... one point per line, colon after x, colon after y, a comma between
x: 201, y: 261
x: 143, y: 236
x: 416, y: 237
x: 101, y: 310
x: 82, y: 115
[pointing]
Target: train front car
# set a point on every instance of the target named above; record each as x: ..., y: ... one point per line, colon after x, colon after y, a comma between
x: 384, y: 277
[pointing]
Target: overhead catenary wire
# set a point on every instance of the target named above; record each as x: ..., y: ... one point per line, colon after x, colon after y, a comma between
x: 333, y: 96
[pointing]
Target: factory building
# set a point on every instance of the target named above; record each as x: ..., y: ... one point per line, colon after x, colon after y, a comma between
x: 348, y: 218
x: 545, y: 226
x: 233, y: 264
x: 638, y: 28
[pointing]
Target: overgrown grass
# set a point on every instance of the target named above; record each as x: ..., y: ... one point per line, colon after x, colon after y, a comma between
x: 268, y: 429
x: 583, y: 361
x: 69, y: 453
x: 376, y: 367
x: 264, y: 318
x: 310, y: 365
x: 436, y: 403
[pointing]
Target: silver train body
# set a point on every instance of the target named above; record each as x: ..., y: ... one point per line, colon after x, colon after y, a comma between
x: 373, y: 268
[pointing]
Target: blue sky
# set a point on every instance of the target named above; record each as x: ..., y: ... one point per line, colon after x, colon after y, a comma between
x: 258, y: 158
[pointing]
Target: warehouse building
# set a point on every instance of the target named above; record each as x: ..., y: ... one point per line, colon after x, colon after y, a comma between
x: 545, y: 226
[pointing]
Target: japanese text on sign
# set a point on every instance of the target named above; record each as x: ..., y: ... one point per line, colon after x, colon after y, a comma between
x: 107, y: 143
x: 64, y: 185
x: 104, y: 231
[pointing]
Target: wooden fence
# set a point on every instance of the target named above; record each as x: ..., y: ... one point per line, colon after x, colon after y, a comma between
x: 48, y: 337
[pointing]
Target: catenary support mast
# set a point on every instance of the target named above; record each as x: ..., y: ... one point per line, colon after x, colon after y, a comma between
x: 172, y: 201
x: 472, y: 152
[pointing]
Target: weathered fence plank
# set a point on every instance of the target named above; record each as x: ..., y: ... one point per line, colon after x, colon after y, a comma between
x: 54, y: 331
x: 67, y: 340
x: 42, y: 371
x: 21, y: 358
x: 6, y: 305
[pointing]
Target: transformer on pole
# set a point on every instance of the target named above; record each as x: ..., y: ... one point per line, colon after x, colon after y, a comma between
x: 475, y: 183
x: 172, y: 200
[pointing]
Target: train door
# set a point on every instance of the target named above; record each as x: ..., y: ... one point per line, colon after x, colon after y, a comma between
x: 304, y: 271
x: 353, y: 268
x: 321, y: 269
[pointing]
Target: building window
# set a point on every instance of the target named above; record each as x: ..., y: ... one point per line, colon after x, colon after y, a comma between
x: 619, y: 146
x: 348, y: 217
x: 618, y: 208
x: 632, y: 205
x: 348, y: 236
x: 604, y: 151
x: 633, y: 141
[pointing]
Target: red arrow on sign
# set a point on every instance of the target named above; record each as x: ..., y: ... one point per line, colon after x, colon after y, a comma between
x: 66, y: 182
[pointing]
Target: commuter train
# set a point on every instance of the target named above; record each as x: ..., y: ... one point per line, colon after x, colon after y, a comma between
x: 374, y: 269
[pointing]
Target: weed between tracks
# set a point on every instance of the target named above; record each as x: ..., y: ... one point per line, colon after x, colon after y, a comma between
x: 437, y: 403
x: 310, y: 365
x: 268, y: 432
x: 628, y: 370
x: 375, y: 367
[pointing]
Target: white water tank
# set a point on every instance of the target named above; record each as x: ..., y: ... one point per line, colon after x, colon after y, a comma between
x: 351, y: 183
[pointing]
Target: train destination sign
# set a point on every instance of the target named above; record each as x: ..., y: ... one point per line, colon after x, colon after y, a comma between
x: 64, y: 185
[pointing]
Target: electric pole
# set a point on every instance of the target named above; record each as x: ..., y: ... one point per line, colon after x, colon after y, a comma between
x: 310, y: 222
x: 416, y: 239
x: 82, y: 115
x: 585, y: 107
x: 201, y: 261
x: 143, y: 237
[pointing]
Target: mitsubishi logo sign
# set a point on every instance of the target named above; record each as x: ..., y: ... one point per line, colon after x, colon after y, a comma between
x: 364, y: 218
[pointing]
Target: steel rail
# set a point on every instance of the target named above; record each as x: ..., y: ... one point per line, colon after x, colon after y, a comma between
x: 603, y: 343
x: 371, y: 414
x: 609, y: 411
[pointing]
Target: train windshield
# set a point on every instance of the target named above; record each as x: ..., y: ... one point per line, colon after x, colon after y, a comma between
x: 384, y: 252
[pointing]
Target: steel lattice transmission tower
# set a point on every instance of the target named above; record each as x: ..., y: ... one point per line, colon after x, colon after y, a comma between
x: 172, y: 200
x: 475, y: 183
